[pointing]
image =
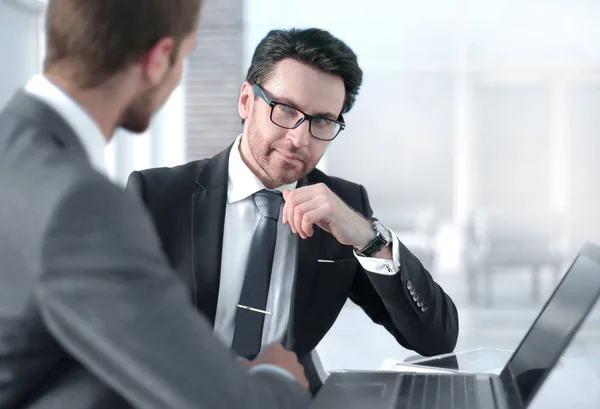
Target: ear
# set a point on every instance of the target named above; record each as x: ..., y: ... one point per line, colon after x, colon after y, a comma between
x: 156, y: 62
x: 245, y: 100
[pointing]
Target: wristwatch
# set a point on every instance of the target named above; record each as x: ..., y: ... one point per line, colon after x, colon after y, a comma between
x: 382, y: 239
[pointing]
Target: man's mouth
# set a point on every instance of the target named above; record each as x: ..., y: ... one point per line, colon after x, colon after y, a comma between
x: 290, y: 155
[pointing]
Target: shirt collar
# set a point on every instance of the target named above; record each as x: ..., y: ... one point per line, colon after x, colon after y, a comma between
x: 242, y: 181
x: 85, y: 127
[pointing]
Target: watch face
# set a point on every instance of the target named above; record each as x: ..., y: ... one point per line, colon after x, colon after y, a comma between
x: 383, y: 231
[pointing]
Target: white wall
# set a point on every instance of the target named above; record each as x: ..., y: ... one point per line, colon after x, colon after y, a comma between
x: 417, y: 129
x: 18, y: 46
x: 392, y: 145
x: 382, y: 32
x: 162, y: 145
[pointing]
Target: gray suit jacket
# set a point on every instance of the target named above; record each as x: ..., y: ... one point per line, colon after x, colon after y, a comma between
x: 91, y: 316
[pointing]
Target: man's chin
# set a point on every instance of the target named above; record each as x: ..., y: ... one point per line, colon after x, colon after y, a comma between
x: 286, y: 178
x: 137, y: 128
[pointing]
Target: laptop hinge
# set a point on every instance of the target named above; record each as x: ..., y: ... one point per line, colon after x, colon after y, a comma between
x: 505, y: 396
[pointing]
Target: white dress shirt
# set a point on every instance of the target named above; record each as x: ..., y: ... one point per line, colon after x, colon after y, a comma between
x: 241, y: 219
x: 86, y: 129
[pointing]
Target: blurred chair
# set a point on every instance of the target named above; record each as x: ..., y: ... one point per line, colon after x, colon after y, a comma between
x: 416, y: 227
x: 319, y: 368
x: 314, y: 371
x: 500, y: 240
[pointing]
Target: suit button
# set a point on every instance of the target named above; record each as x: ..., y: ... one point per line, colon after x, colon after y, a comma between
x: 424, y: 307
x: 412, y: 291
x: 419, y: 304
x: 415, y: 297
x: 409, y: 285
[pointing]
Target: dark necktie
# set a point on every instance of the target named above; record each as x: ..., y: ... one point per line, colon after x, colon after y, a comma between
x: 249, y: 324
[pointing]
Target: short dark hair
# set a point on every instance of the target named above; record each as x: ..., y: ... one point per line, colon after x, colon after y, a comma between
x: 314, y: 47
x: 99, y: 38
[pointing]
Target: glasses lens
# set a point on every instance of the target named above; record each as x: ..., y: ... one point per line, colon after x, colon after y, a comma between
x: 285, y: 116
x: 322, y: 128
x: 288, y: 117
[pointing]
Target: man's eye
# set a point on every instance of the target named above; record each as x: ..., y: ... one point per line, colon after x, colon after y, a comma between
x: 324, y: 122
x: 287, y: 110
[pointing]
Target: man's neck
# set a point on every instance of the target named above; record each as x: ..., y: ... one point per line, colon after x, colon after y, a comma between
x: 100, y: 103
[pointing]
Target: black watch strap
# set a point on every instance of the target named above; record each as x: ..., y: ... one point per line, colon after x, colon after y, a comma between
x: 375, y: 245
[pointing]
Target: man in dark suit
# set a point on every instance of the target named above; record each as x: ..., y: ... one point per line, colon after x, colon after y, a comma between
x: 270, y: 247
x: 92, y: 316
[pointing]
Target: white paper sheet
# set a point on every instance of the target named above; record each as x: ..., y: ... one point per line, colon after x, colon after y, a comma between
x: 400, y: 366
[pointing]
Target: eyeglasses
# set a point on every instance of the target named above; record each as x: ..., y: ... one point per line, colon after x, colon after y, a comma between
x: 285, y: 116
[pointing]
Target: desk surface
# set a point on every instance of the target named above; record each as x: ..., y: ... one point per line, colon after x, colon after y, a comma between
x: 574, y: 382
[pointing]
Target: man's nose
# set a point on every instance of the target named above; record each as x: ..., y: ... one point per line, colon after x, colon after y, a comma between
x: 300, y: 136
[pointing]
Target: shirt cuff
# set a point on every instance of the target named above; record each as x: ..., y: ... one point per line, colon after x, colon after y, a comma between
x: 381, y: 265
x: 271, y: 368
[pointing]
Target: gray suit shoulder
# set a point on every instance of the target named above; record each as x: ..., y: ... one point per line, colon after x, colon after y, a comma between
x: 168, y: 175
x: 36, y: 175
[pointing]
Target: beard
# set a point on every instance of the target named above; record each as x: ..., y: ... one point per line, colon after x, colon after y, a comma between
x: 268, y: 158
x: 138, y: 115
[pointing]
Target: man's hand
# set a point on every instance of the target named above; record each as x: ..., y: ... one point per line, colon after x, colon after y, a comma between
x: 244, y: 362
x: 317, y: 204
x: 276, y: 354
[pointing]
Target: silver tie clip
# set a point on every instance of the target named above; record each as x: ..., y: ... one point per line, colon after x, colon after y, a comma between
x: 253, y: 309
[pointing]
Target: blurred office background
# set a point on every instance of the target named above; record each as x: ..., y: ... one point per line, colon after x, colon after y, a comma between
x: 476, y: 133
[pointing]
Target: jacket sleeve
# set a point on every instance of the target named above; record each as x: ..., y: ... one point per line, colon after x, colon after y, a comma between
x: 107, y: 295
x: 409, y: 304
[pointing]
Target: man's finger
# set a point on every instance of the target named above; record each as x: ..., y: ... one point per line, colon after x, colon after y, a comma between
x: 294, y: 198
x: 312, y: 217
x: 305, y: 229
x: 299, y: 212
x: 288, y: 208
x: 284, y: 213
x: 245, y: 363
x: 287, y: 194
x: 295, y: 218
x: 303, y: 194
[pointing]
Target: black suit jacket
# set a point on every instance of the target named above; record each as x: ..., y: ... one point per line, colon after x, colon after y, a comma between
x: 188, y: 203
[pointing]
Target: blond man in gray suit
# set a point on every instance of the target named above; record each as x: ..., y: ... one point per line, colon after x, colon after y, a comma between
x: 91, y: 316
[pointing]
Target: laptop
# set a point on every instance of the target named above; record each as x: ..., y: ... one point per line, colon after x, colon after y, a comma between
x: 519, y: 380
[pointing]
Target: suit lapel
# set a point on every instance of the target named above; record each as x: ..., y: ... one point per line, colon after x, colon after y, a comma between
x: 306, y: 274
x: 208, y: 217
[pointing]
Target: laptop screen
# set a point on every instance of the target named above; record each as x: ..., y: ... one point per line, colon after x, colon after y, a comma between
x: 556, y: 324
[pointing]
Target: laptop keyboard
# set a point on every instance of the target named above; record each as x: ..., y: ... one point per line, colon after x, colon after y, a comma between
x: 434, y: 391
